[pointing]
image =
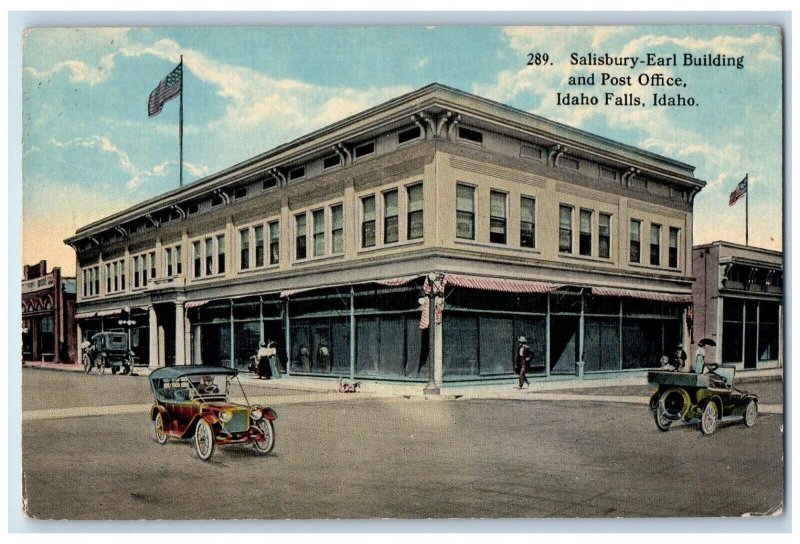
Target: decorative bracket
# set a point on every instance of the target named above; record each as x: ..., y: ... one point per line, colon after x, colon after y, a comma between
x: 178, y: 209
x: 152, y: 220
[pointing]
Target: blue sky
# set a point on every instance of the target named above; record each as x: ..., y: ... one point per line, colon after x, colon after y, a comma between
x: 90, y: 150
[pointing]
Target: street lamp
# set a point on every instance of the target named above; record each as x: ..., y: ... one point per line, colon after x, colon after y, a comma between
x: 128, y: 323
x: 435, y: 289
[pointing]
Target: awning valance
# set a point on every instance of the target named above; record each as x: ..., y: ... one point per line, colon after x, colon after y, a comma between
x: 643, y: 295
x: 499, y: 284
x: 391, y: 282
x: 195, y: 303
x: 85, y: 315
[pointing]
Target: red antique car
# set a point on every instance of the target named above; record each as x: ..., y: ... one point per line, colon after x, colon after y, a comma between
x: 191, y: 402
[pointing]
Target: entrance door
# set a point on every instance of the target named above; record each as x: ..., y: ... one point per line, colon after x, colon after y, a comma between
x: 563, y: 343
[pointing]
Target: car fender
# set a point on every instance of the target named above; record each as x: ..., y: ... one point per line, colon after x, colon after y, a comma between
x: 269, y: 413
x: 210, y: 418
x: 156, y: 409
x: 716, y: 400
x: 654, y: 400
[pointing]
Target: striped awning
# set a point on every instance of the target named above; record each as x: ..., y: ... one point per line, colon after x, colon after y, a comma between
x: 499, y: 284
x: 195, y: 303
x: 643, y: 295
x: 396, y: 282
x: 85, y: 315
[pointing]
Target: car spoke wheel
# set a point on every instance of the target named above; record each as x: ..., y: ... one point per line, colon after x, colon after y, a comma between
x: 708, y: 420
x: 265, y: 445
x: 204, y: 440
x: 661, y: 420
x: 750, y: 413
x: 161, y: 433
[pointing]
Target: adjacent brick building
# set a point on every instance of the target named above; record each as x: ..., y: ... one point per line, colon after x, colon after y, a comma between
x: 48, y: 315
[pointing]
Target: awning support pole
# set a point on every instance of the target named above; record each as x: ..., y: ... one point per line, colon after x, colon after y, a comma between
x: 287, y: 337
x: 547, y: 339
x: 352, y: 335
x: 232, y: 344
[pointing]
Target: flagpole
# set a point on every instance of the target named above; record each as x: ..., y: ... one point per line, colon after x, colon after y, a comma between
x: 747, y: 210
x: 180, y: 129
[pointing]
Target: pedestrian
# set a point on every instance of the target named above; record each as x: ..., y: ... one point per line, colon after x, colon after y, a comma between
x: 522, y: 361
x: 263, y: 361
x: 324, y: 357
x: 305, y: 359
x: 700, y: 358
x: 272, y: 355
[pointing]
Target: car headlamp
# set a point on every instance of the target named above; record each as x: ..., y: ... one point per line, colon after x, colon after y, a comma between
x: 225, y: 416
x: 256, y: 414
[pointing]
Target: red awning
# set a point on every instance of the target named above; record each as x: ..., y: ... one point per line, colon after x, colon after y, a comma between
x: 643, y: 295
x: 498, y: 284
x: 85, y: 315
x: 195, y: 303
x: 396, y: 282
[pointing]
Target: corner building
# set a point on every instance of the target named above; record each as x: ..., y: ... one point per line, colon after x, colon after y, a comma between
x: 523, y: 225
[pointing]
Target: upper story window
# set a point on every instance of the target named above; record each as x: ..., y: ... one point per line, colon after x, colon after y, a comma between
x: 636, y: 241
x: 91, y: 281
x: 497, y: 219
x: 527, y: 222
x: 193, y: 208
x: 569, y: 162
x: 318, y: 218
x: 391, y: 232
x: 244, y: 249
x: 108, y: 278
x: 465, y: 212
x: 216, y: 200
x: 168, y: 262
x: 331, y: 162
x: 209, y: 253
x: 258, y: 237
x: 368, y: 221
x: 171, y: 261
x: 337, y: 229
x: 220, y: 254
x: 674, y: 237
x: 300, y: 236
x: 197, y: 263
x: 363, y: 150
x: 655, y: 245
x: 274, y: 243
x: 269, y: 183
x: 585, y: 240
x: 409, y: 135
x: 608, y: 173
x: 565, y: 229
x: 470, y: 135
x: 604, y: 236
x: 297, y: 173
x: 415, y: 211
x: 528, y: 151
x: 241, y: 192
x: 209, y: 256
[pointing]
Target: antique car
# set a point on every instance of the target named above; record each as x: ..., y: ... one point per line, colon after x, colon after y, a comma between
x: 192, y: 403
x: 109, y: 350
x: 709, y: 397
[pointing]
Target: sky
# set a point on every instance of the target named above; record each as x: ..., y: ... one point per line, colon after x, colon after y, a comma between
x: 89, y: 148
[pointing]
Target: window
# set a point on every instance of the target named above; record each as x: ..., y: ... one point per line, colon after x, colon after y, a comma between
x: 470, y: 135
x: 269, y: 183
x: 391, y: 227
x: 318, y: 217
x: 144, y: 270
x: 337, y: 229
x: 122, y: 274
x: 363, y: 150
x: 258, y: 235
x: 331, y: 162
x: 193, y: 208
x: 604, y: 245
x: 408, y: 135
x: 297, y: 173
x: 209, y: 256
x: 415, y: 225
x: 527, y: 222
x: 528, y: 151
x: 135, y: 272
x: 196, y: 258
x: 565, y: 229
x: 465, y: 212
x: 569, y: 162
x: 178, y: 261
x: 221, y: 254
x: 585, y: 241
x: 368, y: 221
x: 244, y: 249
x: 274, y: 243
x: 216, y: 200
x: 655, y: 245
x: 153, y: 265
x: 241, y: 192
x: 108, y: 278
x: 636, y: 240
x: 674, y: 235
x: 497, y: 219
x: 96, y: 275
x: 115, y: 273
x: 608, y: 173
x: 168, y: 261
x: 300, y: 236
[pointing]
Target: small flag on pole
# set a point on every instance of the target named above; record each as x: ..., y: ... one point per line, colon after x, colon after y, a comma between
x: 739, y: 192
x: 167, y: 89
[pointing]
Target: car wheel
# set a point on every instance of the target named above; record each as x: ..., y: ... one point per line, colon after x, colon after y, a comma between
x: 708, y: 420
x: 101, y: 366
x: 661, y: 420
x: 265, y: 445
x: 161, y: 432
x: 113, y: 370
x: 750, y: 413
x: 204, y: 440
x: 87, y: 364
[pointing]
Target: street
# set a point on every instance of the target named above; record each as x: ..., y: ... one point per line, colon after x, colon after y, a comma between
x: 355, y: 456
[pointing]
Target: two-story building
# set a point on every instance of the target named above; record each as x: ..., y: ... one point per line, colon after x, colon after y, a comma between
x: 526, y: 227
x: 48, y: 309
x: 738, y: 303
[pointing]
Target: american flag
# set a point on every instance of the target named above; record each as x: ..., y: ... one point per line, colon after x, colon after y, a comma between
x: 167, y: 89
x: 739, y: 192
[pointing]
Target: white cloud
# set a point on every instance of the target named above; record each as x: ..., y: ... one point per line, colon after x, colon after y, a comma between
x: 423, y: 62
x: 196, y: 170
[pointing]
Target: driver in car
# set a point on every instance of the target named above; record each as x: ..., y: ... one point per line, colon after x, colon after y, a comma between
x: 207, y: 386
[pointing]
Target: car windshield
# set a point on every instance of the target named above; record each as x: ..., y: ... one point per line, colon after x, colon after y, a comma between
x: 186, y: 388
x: 210, y: 385
x: 117, y: 341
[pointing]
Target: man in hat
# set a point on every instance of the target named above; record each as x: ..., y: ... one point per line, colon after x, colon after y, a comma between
x: 522, y: 361
x: 679, y: 359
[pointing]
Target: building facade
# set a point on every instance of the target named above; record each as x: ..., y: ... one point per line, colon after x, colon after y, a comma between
x: 48, y: 315
x: 738, y: 302
x: 504, y: 223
